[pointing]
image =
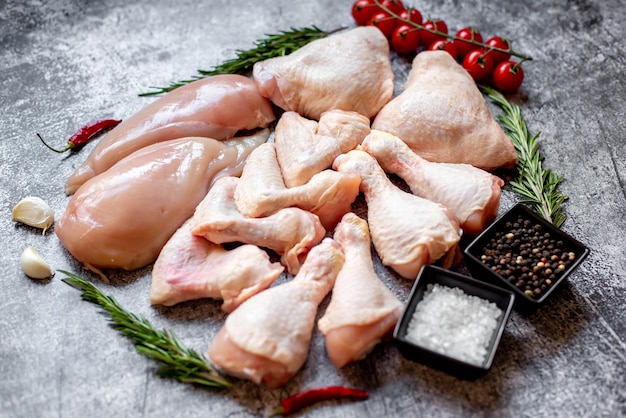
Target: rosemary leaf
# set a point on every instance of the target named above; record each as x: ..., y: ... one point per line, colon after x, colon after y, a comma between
x: 274, y: 45
x: 176, y: 361
x: 537, y: 186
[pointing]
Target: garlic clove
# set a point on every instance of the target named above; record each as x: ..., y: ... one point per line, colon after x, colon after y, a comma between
x: 33, y: 211
x: 33, y: 265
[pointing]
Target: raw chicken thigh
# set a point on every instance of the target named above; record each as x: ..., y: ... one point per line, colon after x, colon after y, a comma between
x: 443, y: 117
x: 123, y: 217
x: 362, y: 310
x: 472, y: 194
x: 267, y: 339
x: 305, y: 147
x: 215, y: 107
x: 291, y: 232
x: 407, y: 231
x: 262, y: 191
x: 190, y: 267
x: 348, y: 71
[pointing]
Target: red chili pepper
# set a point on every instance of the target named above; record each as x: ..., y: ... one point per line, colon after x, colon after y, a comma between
x: 301, y: 400
x: 85, y: 133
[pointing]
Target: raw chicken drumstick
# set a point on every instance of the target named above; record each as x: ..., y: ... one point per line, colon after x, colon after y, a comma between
x: 262, y: 190
x: 362, y: 310
x: 305, y: 147
x: 291, y: 232
x: 444, y: 118
x: 267, y: 339
x: 407, y: 231
x: 472, y: 194
x: 190, y: 267
x: 215, y: 107
x: 349, y: 71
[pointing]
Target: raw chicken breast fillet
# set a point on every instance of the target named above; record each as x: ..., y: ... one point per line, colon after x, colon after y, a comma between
x: 472, y: 194
x: 123, y: 217
x: 305, y: 147
x: 291, y: 232
x: 267, y: 339
x: 348, y: 71
x: 443, y: 116
x: 215, y: 107
x: 190, y: 267
x: 362, y: 310
x: 262, y: 192
x: 407, y: 231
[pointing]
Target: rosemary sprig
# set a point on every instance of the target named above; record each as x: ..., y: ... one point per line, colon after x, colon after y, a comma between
x: 176, y: 361
x: 539, y: 186
x: 274, y: 45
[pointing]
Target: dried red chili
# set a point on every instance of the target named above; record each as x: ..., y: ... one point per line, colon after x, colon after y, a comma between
x: 84, y: 134
x: 301, y: 400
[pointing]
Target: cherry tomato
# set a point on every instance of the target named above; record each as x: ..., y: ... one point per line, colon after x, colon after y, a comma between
x: 413, y: 15
x: 501, y: 43
x: 405, y: 39
x: 385, y: 22
x: 433, y: 24
x: 508, y: 76
x: 470, y: 34
x: 394, y: 6
x: 478, y: 64
x: 363, y: 10
x: 444, y: 45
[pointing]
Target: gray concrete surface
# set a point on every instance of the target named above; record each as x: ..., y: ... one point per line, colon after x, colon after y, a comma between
x: 66, y: 62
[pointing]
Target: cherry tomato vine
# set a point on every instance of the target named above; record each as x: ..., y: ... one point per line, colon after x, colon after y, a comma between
x: 408, y: 34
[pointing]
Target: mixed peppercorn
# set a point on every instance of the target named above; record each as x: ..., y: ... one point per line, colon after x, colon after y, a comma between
x: 527, y: 256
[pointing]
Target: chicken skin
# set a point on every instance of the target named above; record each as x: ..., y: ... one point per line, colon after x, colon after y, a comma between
x: 472, y: 194
x: 267, y: 339
x: 443, y: 116
x: 362, y: 310
x: 407, y: 231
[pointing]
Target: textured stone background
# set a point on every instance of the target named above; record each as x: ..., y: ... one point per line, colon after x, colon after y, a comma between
x: 66, y: 62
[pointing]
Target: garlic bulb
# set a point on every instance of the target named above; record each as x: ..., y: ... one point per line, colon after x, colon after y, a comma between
x: 33, y: 265
x: 33, y: 211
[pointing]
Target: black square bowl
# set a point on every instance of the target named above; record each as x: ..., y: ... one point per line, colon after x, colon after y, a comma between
x: 526, y: 254
x: 430, y: 275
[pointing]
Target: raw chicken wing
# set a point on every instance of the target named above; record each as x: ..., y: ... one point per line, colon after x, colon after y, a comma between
x: 407, y: 231
x: 262, y: 191
x: 362, y: 310
x: 472, y: 194
x: 190, y: 267
x: 348, y: 71
x: 291, y: 232
x: 267, y: 339
x: 305, y: 147
x: 123, y: 217
x: 443, y: 117
x: 215, y: 107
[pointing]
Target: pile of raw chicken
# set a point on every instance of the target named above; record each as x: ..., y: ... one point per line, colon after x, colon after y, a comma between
x: 197, y: 169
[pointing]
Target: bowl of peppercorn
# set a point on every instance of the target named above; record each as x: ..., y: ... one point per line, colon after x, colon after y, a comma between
x: 523, y: 252
x: 452, y: 322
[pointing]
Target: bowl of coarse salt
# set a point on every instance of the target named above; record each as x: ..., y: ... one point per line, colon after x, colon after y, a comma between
x: 453, y: 322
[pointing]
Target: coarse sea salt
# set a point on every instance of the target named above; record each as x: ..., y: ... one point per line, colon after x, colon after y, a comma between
x: 453, y: 323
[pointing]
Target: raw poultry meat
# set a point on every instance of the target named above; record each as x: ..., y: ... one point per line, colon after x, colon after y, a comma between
x: 291, y: 232
x: 123, y: 217
x: 262, y: 190
x: 348, y: 71
x: 267, y: 339
x: 443, y: 117
x: 305, y: 147
x: 215, y: 107
x: 472, y: 194
x: 407, y: 231
x: 190, y: 267
x: 362, y: 310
